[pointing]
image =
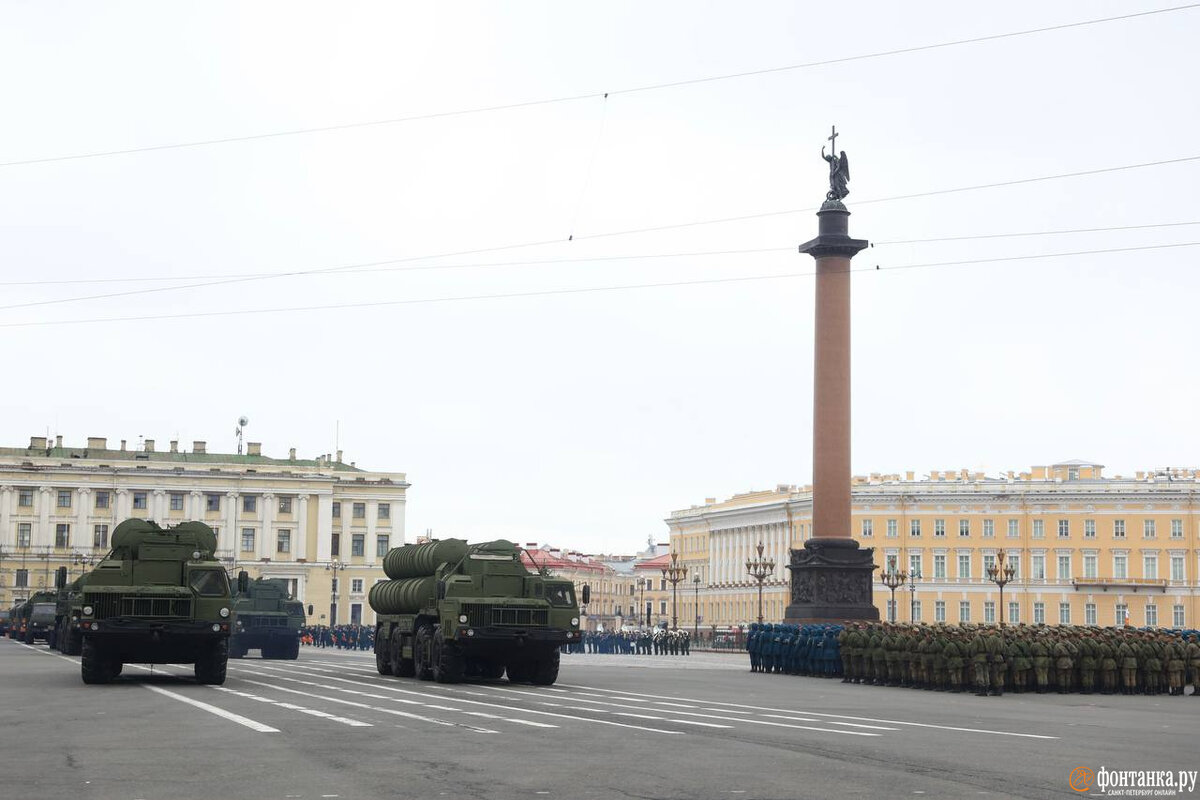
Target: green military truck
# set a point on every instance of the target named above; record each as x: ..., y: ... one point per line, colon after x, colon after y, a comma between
x: 452, y: 611
x: 267, y: 619
x: 15, y: 615
x: 159, y: 596
x: 68, y: 638
x: 37, y: 617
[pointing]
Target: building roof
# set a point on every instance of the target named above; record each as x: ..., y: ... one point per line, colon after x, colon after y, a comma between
x: 656, y: 563
x: 536, y: 557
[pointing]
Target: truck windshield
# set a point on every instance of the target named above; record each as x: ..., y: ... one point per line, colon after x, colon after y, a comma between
x: 210, y: 582
x: 560, y: 595
x: 44, y: 608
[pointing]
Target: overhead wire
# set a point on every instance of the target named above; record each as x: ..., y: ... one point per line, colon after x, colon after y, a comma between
x: 592, y: 95
x: 978, y: 237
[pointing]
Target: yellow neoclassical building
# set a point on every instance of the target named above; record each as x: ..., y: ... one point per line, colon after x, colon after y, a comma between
x: 321, y: 524
x: 1085, y: 548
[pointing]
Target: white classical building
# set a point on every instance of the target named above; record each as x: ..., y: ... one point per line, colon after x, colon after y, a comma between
x: 321, y: 524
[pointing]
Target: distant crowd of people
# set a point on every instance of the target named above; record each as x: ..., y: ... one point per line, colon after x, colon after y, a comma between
x: 643, y: 641
x: 343, y: 637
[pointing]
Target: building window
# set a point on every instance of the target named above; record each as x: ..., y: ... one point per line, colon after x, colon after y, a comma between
x: 285, y: 505
x: 64, y: 498
x: 1151, y: 615
x: 1150, y: 566
x: 335, y: 544
x: 1089, y: 614
x: 1089, y: 529
x: 939, y: 566
x: 964, y: 611
x: 1089, y: 566
x: 1014, y: 529
x: 383, y: 543
x: 1176, y: 529
x: 939, y: 527
x: 891, y: 610
x: 139, y: 499
x: 890, y: 563
x: 1038, y: 565
x: 1014, y: 613
x: 1118, y: 529
x: 914, y: 564
x: 1148, y: 529
x: 25, y: 498
x: 1177, y: 617
x: 1039, y: 529
x: 1121, y: 615
x: 100, y: 536
x: 989, y: 561
x: 250, y: 504
x: 247, y: 540
x: 101, y: 499
x: 212, y: 502
x: 964, y: 527
x: 914, y: 528
x: 1177, y: 569
x: 964, y: 566
x: 1064, y: 529
x: 868, y: 528
x: 357, y: 544
x: 356, y: 613
x: 1014, y: 560
x: 283, y: 541
x: 24, y: 533
x: 989, y: 611
x: 337, y: 510
x: 360, y: 510
x: 1039, y: 613
x: 1120, y: 565
x: 176, y: 501
x: 384, y: 511
x: 1064, y: 568
x: 893, y: 529
x: 662, y: 606
x: 939, y: 610
x: 62, y: 535
x: 1064, y: 613
x: 356, y: 585
x: 22, y: 579
x: 989, y: 528
x: 916, y: 610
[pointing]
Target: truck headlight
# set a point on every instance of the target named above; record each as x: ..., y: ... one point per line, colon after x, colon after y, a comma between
x: 224, y: 612
x: 462, y: 618
x: 574, y: 621
x: 216, y: 627
x: 87, y: 610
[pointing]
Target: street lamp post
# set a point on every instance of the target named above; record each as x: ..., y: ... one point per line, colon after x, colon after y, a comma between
x: 1000, y: 573
x: 893, y: 579
x: 674, y: 574
x: 696, y: 587
x: 83, y: 560
x: 642, y: 582
x: 913, y: 576
x: 334, y: 567
x: 760, y: 569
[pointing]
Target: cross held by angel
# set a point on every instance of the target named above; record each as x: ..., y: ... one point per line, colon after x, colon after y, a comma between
x: 839, y: 169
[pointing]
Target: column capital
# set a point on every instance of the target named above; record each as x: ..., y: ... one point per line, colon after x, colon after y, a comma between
x: 268, y: 495
x: 84, y: 490
x: 159, y: 492
x: 196, y: 493
x: 45, y: 489
x: 122, y: 491
x: 303, y: 498
x: 6, y: 488
x: 231, y: 494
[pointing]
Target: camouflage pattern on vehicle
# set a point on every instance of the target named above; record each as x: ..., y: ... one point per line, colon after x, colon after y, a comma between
x: 266, y: 618
x: 453, y: 611
x: 159, y: 596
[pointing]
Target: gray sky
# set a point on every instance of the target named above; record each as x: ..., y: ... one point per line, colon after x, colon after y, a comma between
x: 585, y: 418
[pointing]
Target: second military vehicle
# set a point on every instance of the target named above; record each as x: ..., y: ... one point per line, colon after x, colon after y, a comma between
x: 453, y: 611
x: 160, y: 596
x: 266, y: 618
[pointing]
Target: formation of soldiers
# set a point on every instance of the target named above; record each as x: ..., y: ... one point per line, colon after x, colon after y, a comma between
x: 985, y: 658
x: 343, y: 637
x: 645, y: 641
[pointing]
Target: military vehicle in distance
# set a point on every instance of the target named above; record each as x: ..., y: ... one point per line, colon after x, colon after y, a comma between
x: 453, y: 611
x: 13, y: 631
x: 23, y: 627
x: 68, y: 638
x: 266, y: 618
x: 159, y: 596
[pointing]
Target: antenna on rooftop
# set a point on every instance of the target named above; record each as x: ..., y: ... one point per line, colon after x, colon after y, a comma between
x: 243, y: 421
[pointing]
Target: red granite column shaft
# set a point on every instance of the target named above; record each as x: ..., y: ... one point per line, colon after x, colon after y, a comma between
x: 831, y: 399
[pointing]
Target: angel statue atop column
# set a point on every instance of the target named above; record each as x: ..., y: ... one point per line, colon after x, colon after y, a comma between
x: 839, y: 174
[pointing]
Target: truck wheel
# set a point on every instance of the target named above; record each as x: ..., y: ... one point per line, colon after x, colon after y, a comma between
x: 210, y: 666
x: 236, y: 650
x: 519, y: 671
x: 401, y: 667
x: 95, y: 665
x: 74, y: 642
x: 383, y: 662
x: 545, y: 669
x: 291, y: 650
x: 52, y: 639
x: 28, y: 636
x: 491, y: 670
x: 421, y: 666
x: 447, y: 661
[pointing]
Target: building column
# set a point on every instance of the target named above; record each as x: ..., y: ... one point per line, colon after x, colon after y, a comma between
x: 266, y: 515
x: 43, y: 533
x: 324, y: 527
x: 81, y: 537
x: 230, y: 538
x: 300, y: 542
x: 196, y: 507
x: 372, y: 522
x: 121, y: 507
x: 159, y: 514
x: 7, y: 537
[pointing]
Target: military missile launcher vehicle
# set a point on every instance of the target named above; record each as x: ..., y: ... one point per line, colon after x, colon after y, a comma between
x: 159, y: 596
x: 453, y: 611
x: 68, y: 638
x: 266, y: 618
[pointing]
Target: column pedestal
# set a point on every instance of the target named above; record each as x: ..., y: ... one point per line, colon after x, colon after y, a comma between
x: 831, y: 582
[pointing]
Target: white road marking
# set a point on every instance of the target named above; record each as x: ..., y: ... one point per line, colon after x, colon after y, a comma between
x: 220, y: 712
x: 354, y: 723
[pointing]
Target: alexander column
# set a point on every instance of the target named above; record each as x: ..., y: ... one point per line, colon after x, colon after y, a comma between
x: 831, y: 574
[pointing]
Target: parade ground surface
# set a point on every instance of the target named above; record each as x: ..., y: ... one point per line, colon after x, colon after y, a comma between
x: 328, y: 726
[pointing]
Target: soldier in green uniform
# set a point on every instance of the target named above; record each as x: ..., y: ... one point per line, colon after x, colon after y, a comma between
x: 1088, y: 650
x: 1040, y: 647
x: 1064, y: 663
x: 1106, y: 648
x: 955, y: 653
x: 1193, y: 660
x: 941, y: 672
x: 1127, y: 658
x: 1020, y: 659
x: 977, y: 649
x: 1174, y: 657
x: 996, y: 648
x: 1154, y: 664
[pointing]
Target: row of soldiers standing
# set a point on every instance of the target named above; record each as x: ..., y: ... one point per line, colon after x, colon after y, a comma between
x: 1021, y: 658
x: 343, y: 637
x: 794, y: 649
x: 644, y: 641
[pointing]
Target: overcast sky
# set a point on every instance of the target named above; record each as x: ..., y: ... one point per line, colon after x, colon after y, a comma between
x: 583, y: 419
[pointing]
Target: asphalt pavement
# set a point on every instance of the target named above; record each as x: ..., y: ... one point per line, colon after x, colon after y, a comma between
x: 702, y: 726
